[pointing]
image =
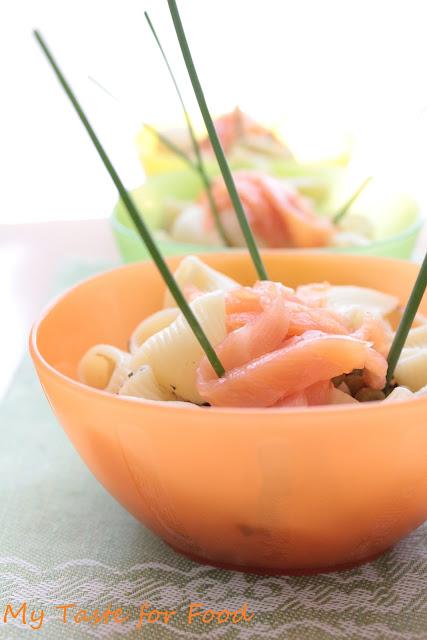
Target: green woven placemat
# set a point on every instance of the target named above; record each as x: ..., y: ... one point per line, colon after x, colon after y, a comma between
x: 64, y: 540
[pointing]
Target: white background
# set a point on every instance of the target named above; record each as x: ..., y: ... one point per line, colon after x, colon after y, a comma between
x: 329, y: 73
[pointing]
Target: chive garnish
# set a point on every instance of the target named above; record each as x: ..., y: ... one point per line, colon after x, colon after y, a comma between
x: 199, y: 164
x: 216, y: 145
x: 339, y: 215
x: 407, y: 320
x: 136, y: 218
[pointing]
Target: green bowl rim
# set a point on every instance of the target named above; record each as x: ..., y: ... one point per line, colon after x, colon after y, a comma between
x: 413, y: 229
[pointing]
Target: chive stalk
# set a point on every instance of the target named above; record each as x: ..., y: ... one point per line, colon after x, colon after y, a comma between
x: 339, y: 215
x: 136, y: 218
x: 216, y: 145
x: 407, y: 320
x: 199, y: 164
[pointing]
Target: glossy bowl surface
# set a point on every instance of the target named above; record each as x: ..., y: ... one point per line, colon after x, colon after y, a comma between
x: 398, y: 222
x: 276, y: 491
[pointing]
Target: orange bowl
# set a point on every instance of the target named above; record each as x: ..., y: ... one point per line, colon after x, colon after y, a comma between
x: 267, y: 490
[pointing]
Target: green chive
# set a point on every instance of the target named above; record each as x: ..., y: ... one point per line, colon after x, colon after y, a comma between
x: 200, y: 166
x: 346, y: 207
x: 407, y: 320
x: 136, y: 218
x: 216, y: 145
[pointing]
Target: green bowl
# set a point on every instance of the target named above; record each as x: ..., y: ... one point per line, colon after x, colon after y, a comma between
x: 397, y: 222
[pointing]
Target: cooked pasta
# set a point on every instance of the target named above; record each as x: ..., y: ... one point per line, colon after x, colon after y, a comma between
x: 104, y: 367
x: 174, y: 353
x: 369, y: 300
x: 194, y: 276
x: 412, y: 371
x: 143, y: 384
x: 417, y: 338
x: 349, y: 239
x: 399, y: 393
x: 342, y: 297
x: 189, y: 226
x: 358, y: 226
x: 151, y: 325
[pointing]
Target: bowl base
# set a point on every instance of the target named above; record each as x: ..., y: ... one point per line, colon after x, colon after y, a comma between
x: 347, y: 566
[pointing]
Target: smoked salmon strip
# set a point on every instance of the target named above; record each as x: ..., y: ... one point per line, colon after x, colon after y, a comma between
x: 299, y: 363
x: 235, y: 127
x: 278, y: 216
x: 317, y: 394
x: 283, y: 351
x: 245, y: 303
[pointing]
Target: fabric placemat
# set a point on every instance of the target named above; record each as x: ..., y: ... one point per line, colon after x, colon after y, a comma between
x: 64, y: 540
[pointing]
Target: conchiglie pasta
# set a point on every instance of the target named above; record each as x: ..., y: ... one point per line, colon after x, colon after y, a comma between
x: 104, y: 367
x: 349, y: 239
x: 143, y: 384
x: 174, y: 353
x: 233, y: 230
x: 417, y: 338
x: 411, y: 371
x: 359, y: 225
x: 193, y: 273
x: 151, y: 325
x: 189, y: 226
x: 375, y: 302
x: 407, y: 352
x: 356, y: 317
x: 399, y: 393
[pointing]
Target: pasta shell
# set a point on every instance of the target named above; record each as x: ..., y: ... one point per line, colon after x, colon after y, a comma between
x: 357, y: 224
x: 375, y: 302
x: 104, y: 367
x: 411, y: 372
x: 174, y: 353
x: 143, y: 384
x: 399, y: 393
x: 349, y: 239
x: 151, y: 325
x: 407, y: 352
x: 189, y: 226
x: 417, y: 337
x: 192, y: 272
